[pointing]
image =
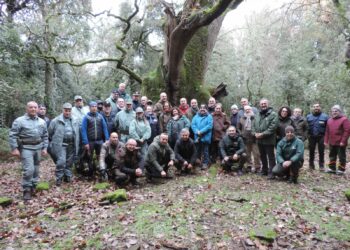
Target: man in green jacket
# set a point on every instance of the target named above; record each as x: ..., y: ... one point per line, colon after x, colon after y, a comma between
x: 264, y: 129
x: 290, y: 156
x: 64, y: 139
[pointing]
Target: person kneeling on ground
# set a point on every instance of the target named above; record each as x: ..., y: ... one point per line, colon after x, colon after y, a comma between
x: 232, y: 151
x: 185, y: 152
x: 130, y: 162
x: 160, y: 158
x: 107, y: 161
x: 290, y: 156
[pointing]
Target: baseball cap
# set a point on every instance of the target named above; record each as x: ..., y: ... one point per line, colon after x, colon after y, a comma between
x: 67, y: 105
x: 78, y: 97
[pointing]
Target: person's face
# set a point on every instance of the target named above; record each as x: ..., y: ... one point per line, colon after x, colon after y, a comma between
x: 183, y: 102
x: 32, y: 108
x: 217, y: 109
x: 93, y: 108
x: 149, y: 110
x: 163, y: 97
x: 175, y: 112
x: 136, y: 97
x: 163, y: 139
x: 67, y: 113
x: 335, y: 113
x: 79, y: 103
x: 284, y: 112
x: 247, y: 110
x: 114, y: 138
x: 42, y: 111
x: 264, y: 104
x: 316, y: 108
x: 231, y: 132
x: 211, y: 102
x: 100, y: 107
x: 121, y: 103
x: 202, y: 109
x: 107, y: 109
x: 194, y: 104
x: 289, y: 135
x: 131, y: 145
x: 129, y: 106
x: 115, y: 95
x: 143, y: 100
x: 185, y: 136
x: 166, y: 106
x: 244, y: 102
x: 139, y: 115
x: 122, y: 88
x: 234, y: 111
x: 297, y: 112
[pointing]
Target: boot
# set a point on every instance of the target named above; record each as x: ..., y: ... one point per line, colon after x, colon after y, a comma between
x: 27, y: 194
x: 59, y: 182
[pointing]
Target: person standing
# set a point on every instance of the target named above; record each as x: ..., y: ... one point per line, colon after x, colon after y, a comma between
x: 264, y: 130
x: 220, y: 125
x: 317, y: 122
x: 79, y: 110
x: 234, y: 119
x: 301, y: 126
x: 336, y: 136
x: 94, y: 132
x: 202, y: 127
x: 183, y: 107
x: 122, y: 121
x: 42, y: 114
x: 192, y: 111
x: 28, y: 139
x: 64, y: 139
x: 177, y: 122
x: 284, y: 116
x: 140, y: 131
x: 153, y: 122
x: 113, y: 100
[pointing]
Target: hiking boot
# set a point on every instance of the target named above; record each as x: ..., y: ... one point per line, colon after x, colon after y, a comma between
x: 322, y: 169
x: 27, y: 194
x: 270, y: 177
x: 67, y: 179
x: 58, y: 182
x: 293, y: 180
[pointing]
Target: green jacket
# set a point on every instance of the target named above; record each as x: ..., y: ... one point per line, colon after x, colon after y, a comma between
x: 292, y: 150
x: 267, y: 124
x: 56, y: 135
x: 159, y: 155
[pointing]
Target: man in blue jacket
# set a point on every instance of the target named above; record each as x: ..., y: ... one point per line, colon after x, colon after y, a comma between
x: 94, y: 132
x: 202, y: 125
x: 317, y: 122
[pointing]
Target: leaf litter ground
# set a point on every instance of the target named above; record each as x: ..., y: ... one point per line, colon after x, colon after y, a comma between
x: 211, y: 210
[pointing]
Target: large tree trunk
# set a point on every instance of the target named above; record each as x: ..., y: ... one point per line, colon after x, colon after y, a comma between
x: 190, y: 39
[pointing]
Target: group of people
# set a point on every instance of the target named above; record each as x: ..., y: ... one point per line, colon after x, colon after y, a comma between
x: 126, y: 137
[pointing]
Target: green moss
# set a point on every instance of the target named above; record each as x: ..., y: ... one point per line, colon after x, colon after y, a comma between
x: 116, y: 196
x: 5, y: 201
x: 42, y: 186
x: 101, y: 186
x: 347, y: 194
x: 265, y: 233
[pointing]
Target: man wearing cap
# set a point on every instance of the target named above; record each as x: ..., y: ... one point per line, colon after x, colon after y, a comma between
x: 113, y: 100
x: 79, y: 110
x: 123, y: 119
x: 64, y: 139
x: 28, y: 139
x: 136, y: 100
x: 140, y: 131
x: 94, y: 132
x: 42, y: 114
x: 290, y: 156
x: 336, y: 137
x: 109, y: 116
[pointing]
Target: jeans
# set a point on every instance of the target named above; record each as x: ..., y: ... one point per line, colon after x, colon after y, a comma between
x: 203, y: 151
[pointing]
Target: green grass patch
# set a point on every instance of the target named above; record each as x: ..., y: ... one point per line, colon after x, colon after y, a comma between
x: 101, y: 186
x: 42, y: 186
x: 5, y: 201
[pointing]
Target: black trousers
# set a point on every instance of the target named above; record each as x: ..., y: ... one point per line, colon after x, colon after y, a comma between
x: 334, y: 152
x: 319, y: 141
x: 267, y: 156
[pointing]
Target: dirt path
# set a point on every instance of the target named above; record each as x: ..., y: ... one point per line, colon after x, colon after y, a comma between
x: 208, y: 211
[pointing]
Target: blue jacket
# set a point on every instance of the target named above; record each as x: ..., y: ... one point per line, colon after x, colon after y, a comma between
x: 204, y: 124
x: 317, y: 124
x: 100, y: 130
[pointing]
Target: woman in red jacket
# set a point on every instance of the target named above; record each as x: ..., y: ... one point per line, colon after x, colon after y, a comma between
x: 337, y: 134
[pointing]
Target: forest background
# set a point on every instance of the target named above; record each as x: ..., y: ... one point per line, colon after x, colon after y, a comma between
x: 294, y: 54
